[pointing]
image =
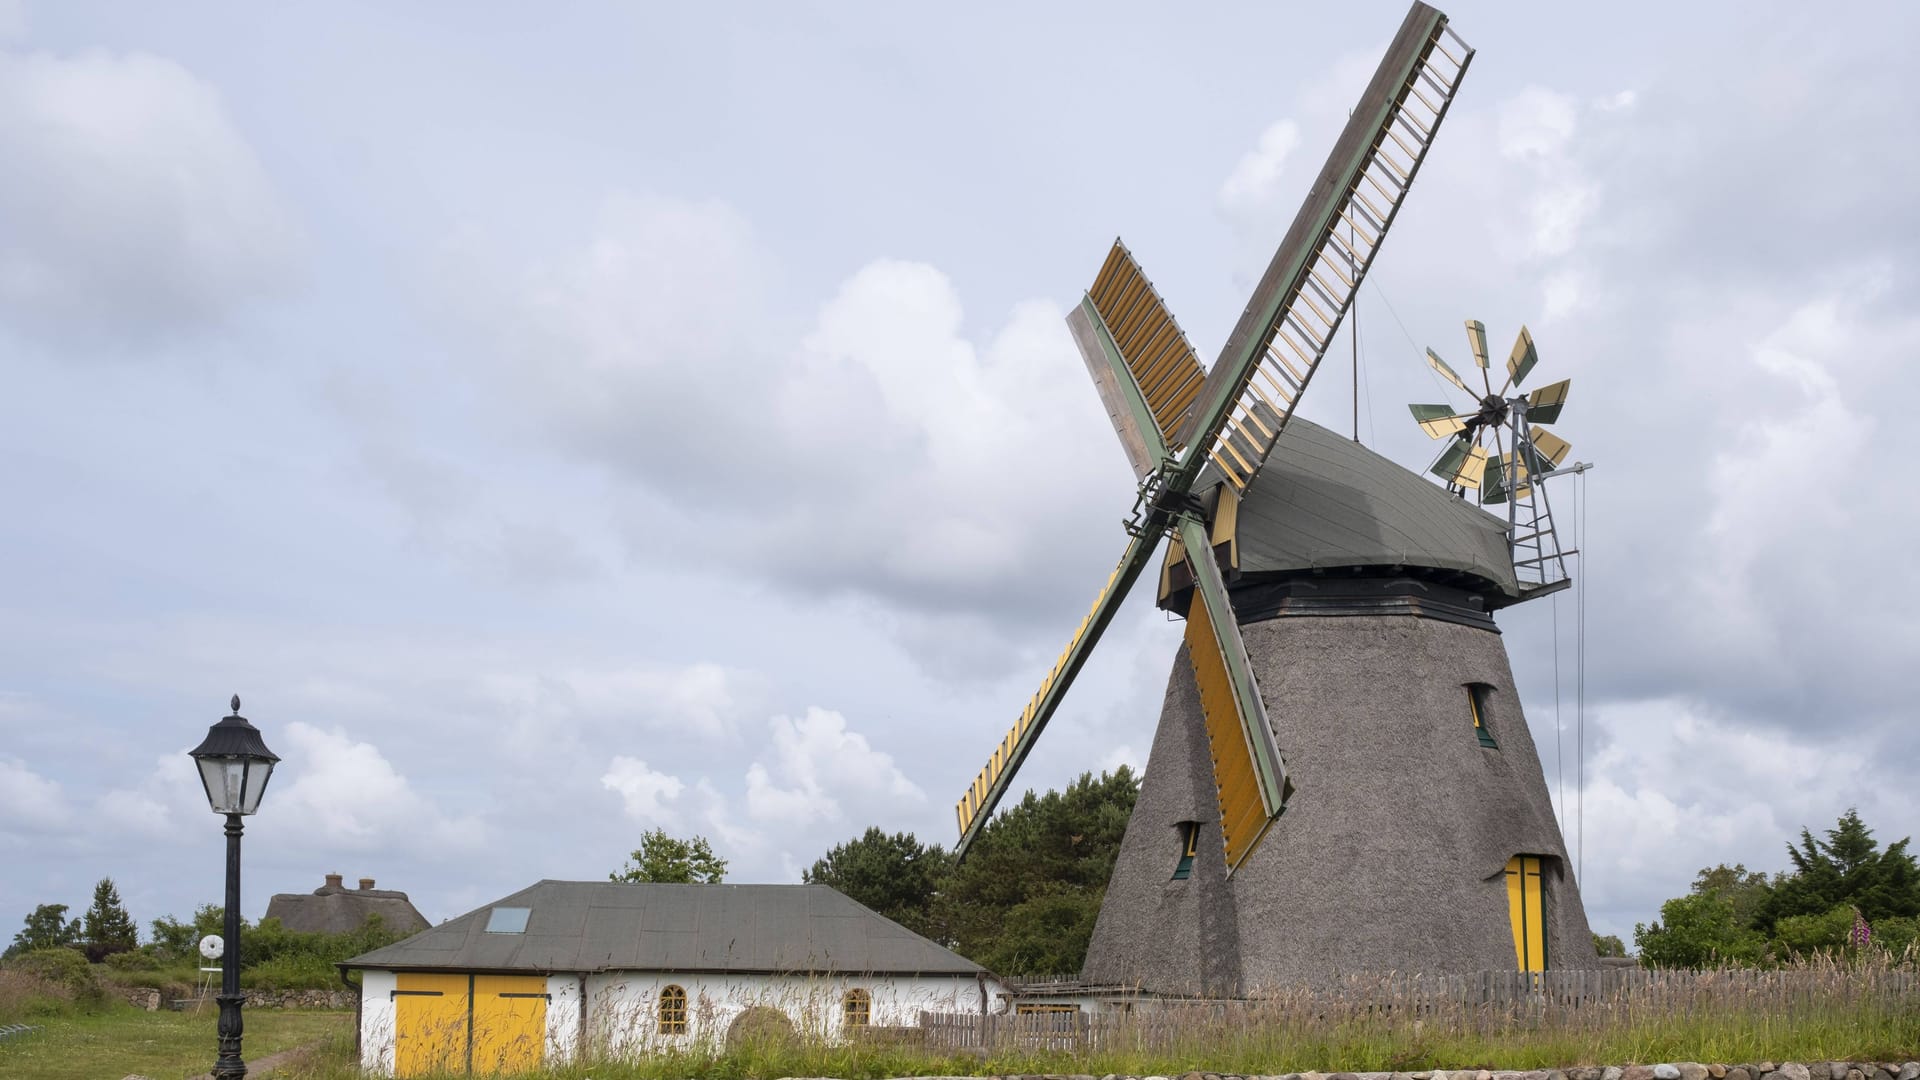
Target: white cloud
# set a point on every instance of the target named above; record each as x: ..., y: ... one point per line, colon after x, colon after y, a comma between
x: 697, y: 699
x: 346, y: 796
x: 1536, y: 123
x: 14, y: 20
x: 30, y: 803
x: 872, y: 457
x: 130, y: 205
x: 1562, y: 293
x: 571, y: 704
x: 644, y: 793
x: 155, y: 808
x: 1255, y: 179
x: 1675, y: 789
x: 817, y: 763
x: 1123, y: 754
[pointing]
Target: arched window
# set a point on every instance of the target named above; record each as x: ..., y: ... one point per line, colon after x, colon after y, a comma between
x: 856, y: 1008
x: 1478, y: 696
x: 673, y: 1011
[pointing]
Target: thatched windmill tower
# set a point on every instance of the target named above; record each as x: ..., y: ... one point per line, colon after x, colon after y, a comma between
x: 1422, y: 837
x: 1338, y: 627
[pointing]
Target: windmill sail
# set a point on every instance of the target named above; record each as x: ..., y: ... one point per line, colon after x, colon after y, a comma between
x: 1142, y: 364
x: 1249, y: 776
x: 990, y: 784
x: 1286, y: 328
x: 1161, y: 407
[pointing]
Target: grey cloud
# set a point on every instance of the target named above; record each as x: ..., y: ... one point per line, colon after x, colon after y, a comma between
x: 884, y: 455
x: 131, y: 208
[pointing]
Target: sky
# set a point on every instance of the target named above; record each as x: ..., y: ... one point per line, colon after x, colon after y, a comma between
x: 558, y: 426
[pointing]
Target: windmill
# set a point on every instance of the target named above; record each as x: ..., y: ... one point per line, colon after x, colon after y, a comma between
x: 1224, y: 469
x: 1499, y: 451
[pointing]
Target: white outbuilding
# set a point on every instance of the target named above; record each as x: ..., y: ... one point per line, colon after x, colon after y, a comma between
x: 569, y: 968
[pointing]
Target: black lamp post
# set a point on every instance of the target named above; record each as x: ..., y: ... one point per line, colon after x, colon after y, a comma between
x: 234, y: 765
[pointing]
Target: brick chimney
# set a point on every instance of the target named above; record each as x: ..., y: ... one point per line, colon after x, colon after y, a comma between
x: 333, y: 882
x: 366, y: 884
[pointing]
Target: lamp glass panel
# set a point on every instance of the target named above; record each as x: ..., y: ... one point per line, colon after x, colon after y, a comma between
x: 255, y: 784
x: 224, y: 778
x: 234, y: 784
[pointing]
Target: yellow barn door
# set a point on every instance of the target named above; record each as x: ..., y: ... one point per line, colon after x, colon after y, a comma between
x: 509, y: 1023
x: 429, y: 1024
x: 1527, y: 911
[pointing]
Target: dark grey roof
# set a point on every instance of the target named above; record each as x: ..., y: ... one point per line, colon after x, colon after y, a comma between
x: 335, y: 910
x: 604, y: 926
x: 1324, y: 501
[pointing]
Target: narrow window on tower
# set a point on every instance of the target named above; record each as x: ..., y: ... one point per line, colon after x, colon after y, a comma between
x: 1478, y: 694
x: 1189, y: 847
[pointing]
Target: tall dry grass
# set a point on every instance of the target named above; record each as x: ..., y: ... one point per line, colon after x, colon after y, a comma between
x: 1818, y: 1009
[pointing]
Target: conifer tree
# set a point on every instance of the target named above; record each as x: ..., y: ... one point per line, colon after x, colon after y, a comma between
x: 109, y: 929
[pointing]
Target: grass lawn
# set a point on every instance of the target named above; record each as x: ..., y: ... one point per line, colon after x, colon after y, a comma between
x: 161, y: 1045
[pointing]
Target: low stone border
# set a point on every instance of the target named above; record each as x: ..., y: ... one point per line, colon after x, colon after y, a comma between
x: 143, y: 997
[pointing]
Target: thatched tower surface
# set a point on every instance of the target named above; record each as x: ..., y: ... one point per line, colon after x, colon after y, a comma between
x: 1393, y: 852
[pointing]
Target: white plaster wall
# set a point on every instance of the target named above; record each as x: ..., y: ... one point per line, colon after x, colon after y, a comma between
x: 376, y: 1021
x: 622, y: 1020
x: 563, y: 1017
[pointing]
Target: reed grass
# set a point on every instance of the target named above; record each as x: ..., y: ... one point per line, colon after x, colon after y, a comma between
x: 1817, y: 1010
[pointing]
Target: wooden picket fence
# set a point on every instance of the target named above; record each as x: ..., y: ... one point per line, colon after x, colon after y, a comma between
x: 1483, y: 1003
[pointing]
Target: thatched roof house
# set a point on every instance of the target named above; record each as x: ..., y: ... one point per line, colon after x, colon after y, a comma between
x: 335, y: 909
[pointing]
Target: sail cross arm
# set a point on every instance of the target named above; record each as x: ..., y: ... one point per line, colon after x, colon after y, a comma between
x: 990, y: 784
x: 1286, y: 327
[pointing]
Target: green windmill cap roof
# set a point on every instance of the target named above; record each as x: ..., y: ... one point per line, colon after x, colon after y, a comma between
x: 1325, y: 502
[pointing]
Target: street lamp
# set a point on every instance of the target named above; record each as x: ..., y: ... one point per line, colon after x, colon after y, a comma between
x: 234, y: 766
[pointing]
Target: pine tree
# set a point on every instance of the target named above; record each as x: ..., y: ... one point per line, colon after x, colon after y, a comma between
x: 109, y: 929
x: 1846, y: 869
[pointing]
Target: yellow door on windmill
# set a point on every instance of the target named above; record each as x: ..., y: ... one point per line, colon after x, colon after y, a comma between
x: 509, y: 1023
x: 1527, y: 911
x: 429, y: 1024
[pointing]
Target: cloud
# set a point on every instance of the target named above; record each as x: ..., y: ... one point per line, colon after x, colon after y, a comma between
x: 30, y: 804
x: 1255, y: 179
x: 815, y: 764
x: 346, y: 796
x: 14, y: 20
x: 1536, y: 123
x: 573, y: 703
x: 131, y: 208
x: 877, y: 456
x: 644, y: 793
x: 1676, y: 788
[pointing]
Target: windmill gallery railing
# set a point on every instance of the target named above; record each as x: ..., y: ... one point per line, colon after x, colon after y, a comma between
x: 1572, y: 1002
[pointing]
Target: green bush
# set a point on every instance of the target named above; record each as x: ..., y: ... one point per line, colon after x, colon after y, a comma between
x: 63, y: 967
x: 1897, y: 936
x: 292, y: 971
x: 136, y: 960
x: 1803, y: 935
x: 65, y: 978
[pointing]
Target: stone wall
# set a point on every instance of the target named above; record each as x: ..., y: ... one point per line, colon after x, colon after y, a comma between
x: 301, y: 999
x: 142, y: 997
